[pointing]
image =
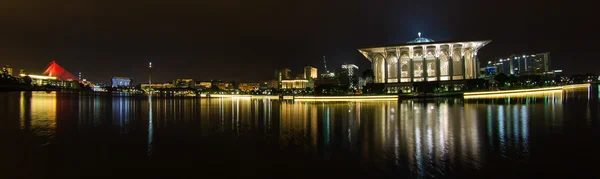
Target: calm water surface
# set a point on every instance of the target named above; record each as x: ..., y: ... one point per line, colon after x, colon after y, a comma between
x: 61, y: 135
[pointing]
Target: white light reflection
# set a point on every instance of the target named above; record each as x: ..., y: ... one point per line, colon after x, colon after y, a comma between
x: 150, y: 126
x: 515, y: 126
x: 418, y: 155
x: 428, y: 125
x: 525, y: 130
x: 501, y: 129
x: 490, y: 126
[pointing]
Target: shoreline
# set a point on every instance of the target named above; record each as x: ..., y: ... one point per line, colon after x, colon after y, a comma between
x: 382, y: 97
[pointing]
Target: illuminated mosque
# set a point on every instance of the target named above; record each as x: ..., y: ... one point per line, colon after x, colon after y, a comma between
x: 424, y: 60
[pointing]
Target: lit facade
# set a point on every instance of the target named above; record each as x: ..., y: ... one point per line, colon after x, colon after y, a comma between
x: 246, y: 86
x: 184, y: 83
x: 157, y: 85
x: 224, y: 85
x: 423, y: 60
x: 121, y: 82
x: 295, y: 84
x: 527, y: 64
x: 41, y: 79
x: 203, y: 84
x: 351, y: 69
x: 310, y: 72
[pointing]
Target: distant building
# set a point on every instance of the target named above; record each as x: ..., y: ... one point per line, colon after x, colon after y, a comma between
x: 264, y: 85
x: 351, y: 69
x: 59, y: 72
x: 273, y: 84
x: 328, y: 75
x: 184, y: 83
x: 310, y: 72
x: 7, y: 70
x: 283, y: 74
x: 525, y: 64
x: 121, y: 82
x: 361, y: 83
x: 41, y: 79
x: 203, y: 84
x: 296, y: 84
x: 248, y: 86
x: 224, y: 85
x: 342, y: 75
x: 157, y: 85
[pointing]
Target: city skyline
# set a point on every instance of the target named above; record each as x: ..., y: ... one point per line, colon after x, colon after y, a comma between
x: 226, y: 40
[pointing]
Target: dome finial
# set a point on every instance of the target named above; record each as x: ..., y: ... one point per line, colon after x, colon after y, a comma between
x: 419, y: 34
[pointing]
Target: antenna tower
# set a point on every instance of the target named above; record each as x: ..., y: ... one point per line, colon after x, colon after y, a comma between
x: 325, y: 63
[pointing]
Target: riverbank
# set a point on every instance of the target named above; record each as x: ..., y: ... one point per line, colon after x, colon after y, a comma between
x: 466, y: 95
x: 509, y: 93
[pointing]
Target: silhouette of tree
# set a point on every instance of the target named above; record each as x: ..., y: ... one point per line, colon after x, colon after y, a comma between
x: 501, y: 79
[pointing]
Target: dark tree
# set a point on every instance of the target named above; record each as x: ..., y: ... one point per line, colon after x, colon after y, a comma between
x: 214, y: 88
x: 513, y: 79
x: 27, y: 80
x: 501, y: 79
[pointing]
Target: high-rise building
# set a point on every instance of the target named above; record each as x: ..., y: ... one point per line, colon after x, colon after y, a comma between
x: 342, y: 75
x: 121, y: 82
x: 351, y: 69
x: 310, y: 72
x: 526, y: 64
x: 283, y: 74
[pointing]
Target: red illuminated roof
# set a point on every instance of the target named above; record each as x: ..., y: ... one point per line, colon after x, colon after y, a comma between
x: 59, y: 72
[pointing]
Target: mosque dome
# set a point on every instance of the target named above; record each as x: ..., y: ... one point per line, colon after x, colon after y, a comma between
x: 420, y: 40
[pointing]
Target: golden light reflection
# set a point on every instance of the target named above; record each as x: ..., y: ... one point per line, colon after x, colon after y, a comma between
x: 38, y: 112
x: 421, y: 136
x: 520, y: 94
x: 538, y: 92
x: 513, y: 91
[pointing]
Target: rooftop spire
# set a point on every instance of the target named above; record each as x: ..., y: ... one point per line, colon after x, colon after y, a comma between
x: 419, y: 34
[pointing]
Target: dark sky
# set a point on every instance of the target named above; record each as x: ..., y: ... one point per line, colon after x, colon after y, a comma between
x: 247, y: 39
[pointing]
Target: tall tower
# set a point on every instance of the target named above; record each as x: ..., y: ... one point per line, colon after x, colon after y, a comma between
x: 150, y: 74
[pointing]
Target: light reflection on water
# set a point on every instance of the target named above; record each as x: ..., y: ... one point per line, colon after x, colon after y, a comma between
x: 38, y: 113
x: 425, y: 138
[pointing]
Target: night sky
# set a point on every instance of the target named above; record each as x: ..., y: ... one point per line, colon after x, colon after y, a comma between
x: 247, y: 39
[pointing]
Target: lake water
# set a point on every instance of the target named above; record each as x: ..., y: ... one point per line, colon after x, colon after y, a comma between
x: 65, y: 135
